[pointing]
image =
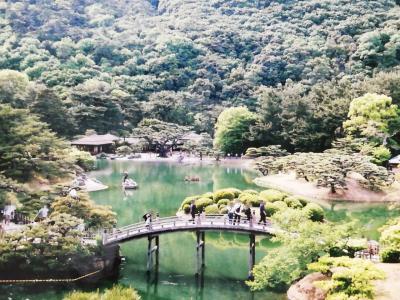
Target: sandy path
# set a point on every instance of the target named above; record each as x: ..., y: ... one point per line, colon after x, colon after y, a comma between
x: 388, y: 289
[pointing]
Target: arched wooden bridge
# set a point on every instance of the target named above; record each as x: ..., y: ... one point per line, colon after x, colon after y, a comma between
x: 200, y: 225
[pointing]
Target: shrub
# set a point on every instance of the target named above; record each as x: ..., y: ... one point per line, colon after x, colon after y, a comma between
x: 203, y: 202
x: 236, y: 192
x: 352, y: 278
x: 223, y: 202
x: 272, y: 195
x: 253, y: 192
x: 293, y: 202
x: 186, y: 208
x: 281, y: 205
x: 271, y: 209
x: 188, y: 200
x: 314, y: 212
x: 212, y: 209
x: 115, y: 293
x: 82, y: 159
x: 250, y: 199
x: 223, y: 209
x: 208, y: 195
x: 223, y: 194
x: 124, y: 150
x: 390, y: 243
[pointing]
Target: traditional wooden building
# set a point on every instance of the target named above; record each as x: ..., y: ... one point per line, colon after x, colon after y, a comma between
x: 96, y: 143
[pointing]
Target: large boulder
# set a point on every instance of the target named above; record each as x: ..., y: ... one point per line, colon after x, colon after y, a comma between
x: 305, y: 289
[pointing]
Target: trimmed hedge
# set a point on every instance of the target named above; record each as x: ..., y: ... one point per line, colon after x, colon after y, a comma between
x: 315, y: 212
x: 281, y: 205
x: 223, y: 194
x: 186, y: 208
x: 223, y: 202
x: 390, y: 243
x: 270, y: 209
x: 208, y: 195
x: 272, y: 195
x: 293, y: 202
x: 188, y: 200
x: 203, y: 203
x: 212, y: 209
x: 223, y: 209
x: 253, y: 192
x: 250, y: 199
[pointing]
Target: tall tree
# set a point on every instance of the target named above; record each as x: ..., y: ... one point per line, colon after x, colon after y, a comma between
x: 232, y: 131
x: 161, y: 136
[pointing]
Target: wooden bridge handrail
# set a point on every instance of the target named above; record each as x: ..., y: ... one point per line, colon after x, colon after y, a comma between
x: 174, y: 223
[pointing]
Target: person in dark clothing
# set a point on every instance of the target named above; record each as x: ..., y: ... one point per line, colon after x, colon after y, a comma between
x: 193, y: 210
x: 126, y: 175
x: 236, y: 210
x: 247, y: 212
x: 263, y: 214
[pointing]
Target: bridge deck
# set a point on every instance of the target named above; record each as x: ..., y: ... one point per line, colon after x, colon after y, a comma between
x: 173, y: 224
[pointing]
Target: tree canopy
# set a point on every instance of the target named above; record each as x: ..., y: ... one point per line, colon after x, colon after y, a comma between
x: 107, y: 65
x: 232, y: 134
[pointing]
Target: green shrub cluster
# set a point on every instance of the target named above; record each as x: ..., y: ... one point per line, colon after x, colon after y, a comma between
x: 315, y: 212
x: 223, y: 202
x: 390, y: 242
x: 274, y: 201
x: 272, y: 195
x: 350, y: 278
x: 202, y: 203
x: 223, y: 194
x: 115, y: 293
x: 212, y: 209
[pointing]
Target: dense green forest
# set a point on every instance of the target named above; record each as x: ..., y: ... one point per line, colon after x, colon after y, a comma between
x: 106, y: 65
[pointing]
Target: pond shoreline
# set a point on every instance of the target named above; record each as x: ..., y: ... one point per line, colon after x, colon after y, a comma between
x: 354, y: 194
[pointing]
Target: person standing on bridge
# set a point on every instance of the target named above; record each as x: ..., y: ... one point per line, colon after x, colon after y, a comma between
x: 237, y: 209
x: 231, y: 212
x: 147, y: 220
x: 193, y: 210
x: 247, y: 212
x: 263, y: 214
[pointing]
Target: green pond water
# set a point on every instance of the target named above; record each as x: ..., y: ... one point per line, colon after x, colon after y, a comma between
x: 162, y: 189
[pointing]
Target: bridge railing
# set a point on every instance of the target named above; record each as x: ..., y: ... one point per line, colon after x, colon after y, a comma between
x: 217, y: 221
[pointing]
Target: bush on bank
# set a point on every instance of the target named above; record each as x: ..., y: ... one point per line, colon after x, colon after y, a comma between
x: 218, y: 201
x: 390, y: 242
x: 115, y: 293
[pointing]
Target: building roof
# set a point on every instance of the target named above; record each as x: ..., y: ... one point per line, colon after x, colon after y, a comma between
x: 96, y: 140
x: 395, y: 160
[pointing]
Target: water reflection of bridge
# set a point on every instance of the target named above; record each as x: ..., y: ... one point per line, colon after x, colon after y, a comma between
x: 176, y: 224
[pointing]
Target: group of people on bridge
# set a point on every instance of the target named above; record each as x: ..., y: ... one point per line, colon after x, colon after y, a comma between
x: 235, y: 211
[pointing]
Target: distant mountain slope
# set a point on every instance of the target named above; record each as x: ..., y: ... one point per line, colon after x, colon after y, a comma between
x: 195, y: 55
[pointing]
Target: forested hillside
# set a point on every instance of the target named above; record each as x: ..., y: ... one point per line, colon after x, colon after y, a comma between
x: 106, y: 65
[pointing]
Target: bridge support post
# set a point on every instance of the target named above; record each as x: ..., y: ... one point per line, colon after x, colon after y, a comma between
x: 152, y: 250
x: 252, y: 255
x: 200, y: 249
